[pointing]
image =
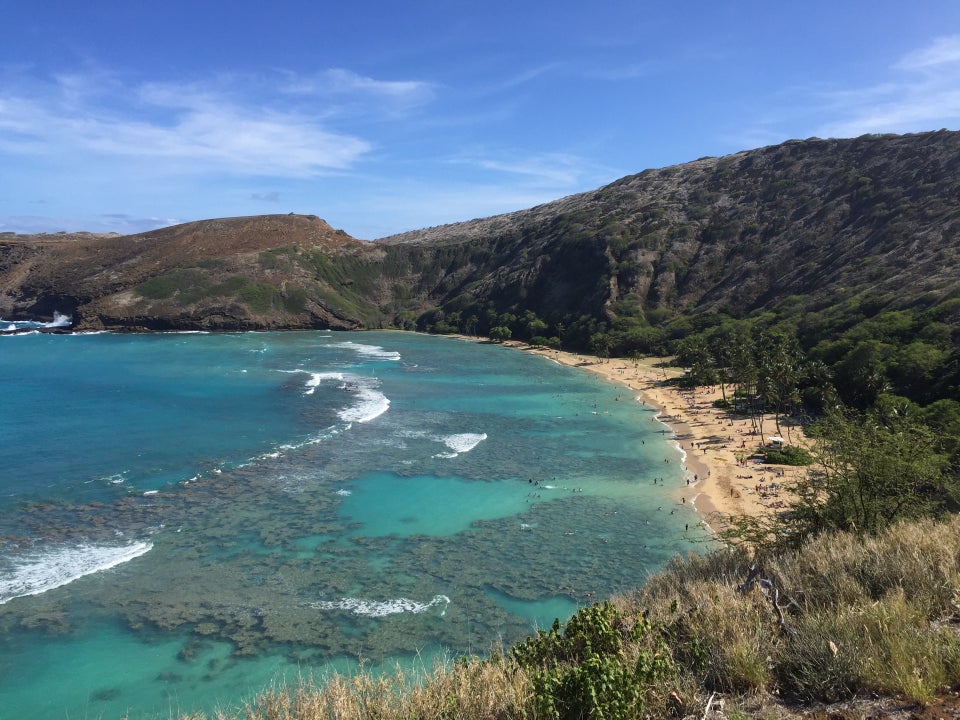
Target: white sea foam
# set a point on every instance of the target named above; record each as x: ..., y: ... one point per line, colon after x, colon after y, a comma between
x: 374, y: 608
x: 59, y: 321
x: 38, y: 572
x: 316, y: 378
x: 464, y: 442
x: 115, y: 479
x: 371, y: 403
x: 374, y: 352
x: 460, y: 443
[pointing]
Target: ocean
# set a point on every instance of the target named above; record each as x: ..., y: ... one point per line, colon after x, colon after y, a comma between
x: 186, y: 519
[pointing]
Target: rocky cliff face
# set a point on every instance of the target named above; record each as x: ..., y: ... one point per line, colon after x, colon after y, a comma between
x: 819, y: 220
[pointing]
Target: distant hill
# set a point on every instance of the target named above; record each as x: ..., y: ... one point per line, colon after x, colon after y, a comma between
x: 812, y: 223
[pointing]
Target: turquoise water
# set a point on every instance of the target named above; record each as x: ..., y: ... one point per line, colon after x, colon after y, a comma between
x: 188, y: 518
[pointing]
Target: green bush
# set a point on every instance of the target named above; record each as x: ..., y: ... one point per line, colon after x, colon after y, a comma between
x: 158, y: 288
x: 260, y: 298
x: 585, y: 671
x: 185, y: 285
x: 789, y: 455
x: 295, y: 300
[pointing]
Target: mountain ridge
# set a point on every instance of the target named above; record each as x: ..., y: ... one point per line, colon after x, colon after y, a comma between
x: 822, y: 220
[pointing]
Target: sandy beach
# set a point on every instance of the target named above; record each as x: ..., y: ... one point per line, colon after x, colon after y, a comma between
x: 720, y: 484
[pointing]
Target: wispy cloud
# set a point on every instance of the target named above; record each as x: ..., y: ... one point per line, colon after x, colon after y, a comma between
x: 942, y: 51
x: 922, y: 92
x: 233, y: 125
x: 359, y: 93
x: 553, y: 170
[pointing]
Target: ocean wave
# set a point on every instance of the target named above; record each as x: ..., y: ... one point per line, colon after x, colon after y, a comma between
x: 464, y: 442
x: 374, y: 352
x: 281, y: 450
x: 316, y: 378
x: 38, y: 572
x: 374, y: 608
x: 59, y: 321
x: 459, y: 443
x: 371, y: 404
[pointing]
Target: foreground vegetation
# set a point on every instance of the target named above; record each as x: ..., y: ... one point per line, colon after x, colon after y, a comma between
x: 843, y: 616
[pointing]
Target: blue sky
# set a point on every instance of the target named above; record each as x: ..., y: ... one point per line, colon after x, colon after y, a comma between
x: 385, y: 116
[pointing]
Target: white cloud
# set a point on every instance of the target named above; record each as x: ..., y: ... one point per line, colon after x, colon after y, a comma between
x: 943, y: 50
x: 922, y: 93
x: 557, y: 171
x: 362, y: 94
x: 552, y: 170
x: 238, y: 126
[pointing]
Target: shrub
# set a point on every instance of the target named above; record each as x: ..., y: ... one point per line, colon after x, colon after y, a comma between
x: 789, y: 455
x: 260, y: 298
x: 585, y: 670
x: 184, y: 285
x: 295, y: 300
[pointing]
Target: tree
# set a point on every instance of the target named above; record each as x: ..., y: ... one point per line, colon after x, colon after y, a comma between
x: 722, y: 349
x: 499, y: 333
x: 533, y: 325
x: 600, y: 344
x: 869, y: 472
x: 780, y: 362
x: 862, y: 374
x: 694, y: 354
x: 470, y: 325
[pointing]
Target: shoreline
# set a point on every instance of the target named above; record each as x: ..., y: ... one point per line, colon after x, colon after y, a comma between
x: 709, y: 438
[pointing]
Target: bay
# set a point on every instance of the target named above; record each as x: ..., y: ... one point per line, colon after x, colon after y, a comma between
x: 188, y: 518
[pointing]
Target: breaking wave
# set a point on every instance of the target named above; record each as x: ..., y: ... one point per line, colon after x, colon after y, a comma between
x: 461, y: 443
x: 464, y: 442
x: 370, y: 402
x: 40, y: 571
x: 374, y: 352
x: 59, y: 321
x: 373, y: 608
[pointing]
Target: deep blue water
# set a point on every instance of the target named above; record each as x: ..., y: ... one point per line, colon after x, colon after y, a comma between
x: 186, y: 518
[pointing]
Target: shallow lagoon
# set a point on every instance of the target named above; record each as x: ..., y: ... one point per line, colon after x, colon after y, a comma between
x: 306, y: 500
